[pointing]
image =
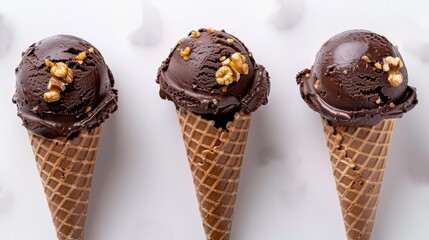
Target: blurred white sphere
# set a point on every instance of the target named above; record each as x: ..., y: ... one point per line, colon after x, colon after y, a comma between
x: 5, y: 36
x: 149, y: 33
x: 288, y: 13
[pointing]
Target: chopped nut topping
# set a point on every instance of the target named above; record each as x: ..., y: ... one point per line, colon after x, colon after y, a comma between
x: 224, y: 88
x: 195, y: 34
x: 345, y: 72
x: 231, y: 69
x: 210, y: 30
x: 185, y: 53
x: 224, y: 75
x: 236, y: 75
x: 250, y: 54
x: 378, y: 101
x: 69, y: 78
x: 48, y: 63
x: 317, y: 84
x: 62, y: 75
x: 378, y: 65
x: 226, y: 62
x: 366, y: 59
x: 91, y: 50
x: 181, y: 41
x: 393, y: 67
x: 88, y: 109
x: 56, y: 84
x: 229, y: 40
x: 51, y: 96
x: 59, y: 70
x: 391, y: 104
x: 81, y: 56
x: 395, y: 80
x: 307, y: 75
x: 238, y: 63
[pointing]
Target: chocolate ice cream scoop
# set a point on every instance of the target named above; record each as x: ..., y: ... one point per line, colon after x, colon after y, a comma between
x: 212, y: 73
x: 358, y: 79
x: 63, y: 86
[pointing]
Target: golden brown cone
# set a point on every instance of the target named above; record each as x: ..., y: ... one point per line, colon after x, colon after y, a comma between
x: 66, y: 169
x: 215, y: 156
x: 358, y: 157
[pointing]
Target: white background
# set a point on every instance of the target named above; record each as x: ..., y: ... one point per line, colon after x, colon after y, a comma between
x: 142, y: 187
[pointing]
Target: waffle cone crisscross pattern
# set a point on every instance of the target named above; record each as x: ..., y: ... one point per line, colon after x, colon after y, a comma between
x: 358, y: 156
x: 66, y: 168
x: 215, y: 156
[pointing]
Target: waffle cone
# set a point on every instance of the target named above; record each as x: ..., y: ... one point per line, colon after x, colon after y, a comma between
x: 66, y: 168
x: 215, y: 156
x: 358, y: 156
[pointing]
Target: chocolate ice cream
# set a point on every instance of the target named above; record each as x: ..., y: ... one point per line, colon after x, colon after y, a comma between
x: 63, y: 86
x: 213, y: 74
x: 216, y: 85
x: 358, y: 79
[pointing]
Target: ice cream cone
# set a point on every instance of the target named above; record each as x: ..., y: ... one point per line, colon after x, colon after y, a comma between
x: 66, y: 169
x: 215, y: 156
x: 358, y: 156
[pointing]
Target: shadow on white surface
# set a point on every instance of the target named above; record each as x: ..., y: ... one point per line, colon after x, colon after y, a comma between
x: 418, y: 166
x: 107, y: 164
x: 415, y: 135
x: 152, y: 230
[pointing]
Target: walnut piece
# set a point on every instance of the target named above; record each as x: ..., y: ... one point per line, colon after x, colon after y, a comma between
x: 317, y: 84
x: 91, y: 50
x: 366, y: 59
x: 185, y: 53
x: 231, y: 69
x: 393, y: 67
x: 51, y: 96
x: 210, y: 30
x: 307, y: 75
x: 69, y: 77
x: 81, y: 56
x: 180, y: 41
x: 56, y: 84
x: 195, y: 34
x: 226, y: 62
x: 238, y: 63
x: 378, y: 65
x: 224, y: 75
x: 229, y: 40
x: 59, y: 70
x: 378, y: 101
x: 48, y: 63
